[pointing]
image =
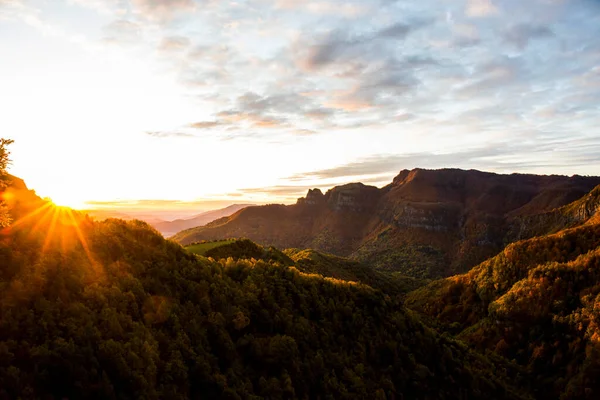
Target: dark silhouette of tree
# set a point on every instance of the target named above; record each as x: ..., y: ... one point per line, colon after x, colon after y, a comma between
x: 4, y: 179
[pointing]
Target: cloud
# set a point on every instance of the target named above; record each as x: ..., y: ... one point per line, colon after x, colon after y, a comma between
x: 305, y: 132
x: 289, y: 191
x: 15, y: 9
x: 252, y: 110
x: 174, y: 44
x: 207, y: 124
x: 345, y: 9
x: 480, y: 8
x: 162, y: 10
x: 382, y: 164
x: 520, y: 35
x: 344, y: 46
x: 320, y: 113
x: 497, y: 75
x: 272, y: 69
x: 167, y: 134
x: 12, y: 3
x: 500, y: 157
x: 122, y: 31
x: 466, y: 35
x: 108, y: 7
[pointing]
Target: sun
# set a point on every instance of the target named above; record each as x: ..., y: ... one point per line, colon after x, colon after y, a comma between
x: 71, y: 200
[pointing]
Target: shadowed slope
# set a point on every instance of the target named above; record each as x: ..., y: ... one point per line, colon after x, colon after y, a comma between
x: 536, y: 302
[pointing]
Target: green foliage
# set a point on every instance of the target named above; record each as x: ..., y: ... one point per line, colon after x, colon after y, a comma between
x: 202, y: 247
x: 311, y: 261
x: 247, y: 249
x: 111, y: 310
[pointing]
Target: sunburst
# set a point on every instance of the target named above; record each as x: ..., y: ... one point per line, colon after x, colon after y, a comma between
x: 60, y: 225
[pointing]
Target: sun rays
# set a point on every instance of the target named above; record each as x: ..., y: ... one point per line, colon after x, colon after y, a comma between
x: 59, y: 228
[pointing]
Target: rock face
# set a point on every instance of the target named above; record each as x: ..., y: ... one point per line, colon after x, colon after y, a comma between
x: 426, y: 223
x: 584, y: 210
x: 589, y: 207
x: 314, y: 197
x: 354, y: 197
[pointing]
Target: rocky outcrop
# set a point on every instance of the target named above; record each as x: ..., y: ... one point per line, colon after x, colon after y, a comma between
x: 579, y: 212
x: 354, y: 197
x: 314, y: 197
x: 589, y: 207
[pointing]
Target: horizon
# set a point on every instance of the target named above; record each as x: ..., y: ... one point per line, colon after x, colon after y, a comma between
x: 158, y: 210
x: 184, y: 103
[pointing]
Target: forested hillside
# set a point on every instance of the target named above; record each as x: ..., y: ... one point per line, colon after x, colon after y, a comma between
x: 425, y: 224
x: 112, y: 310
x: 537, y: 303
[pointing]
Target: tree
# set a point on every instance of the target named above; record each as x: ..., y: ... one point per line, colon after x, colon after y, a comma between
x: 4, y: 179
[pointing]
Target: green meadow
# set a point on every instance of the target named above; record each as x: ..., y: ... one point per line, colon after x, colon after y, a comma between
x: 202, y: 248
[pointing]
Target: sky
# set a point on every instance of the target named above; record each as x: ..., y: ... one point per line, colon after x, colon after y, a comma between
x: 191, y: 103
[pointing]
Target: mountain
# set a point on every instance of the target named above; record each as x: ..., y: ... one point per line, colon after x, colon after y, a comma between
x: 426, y: 223
x: 537, y: 303
x: 169, y: 228
x: 111, y: 310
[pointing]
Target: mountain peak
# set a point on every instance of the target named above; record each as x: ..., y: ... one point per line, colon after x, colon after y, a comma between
x: 313, y: 197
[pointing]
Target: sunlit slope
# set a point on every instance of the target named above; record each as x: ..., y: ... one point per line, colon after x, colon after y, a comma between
x: 309, y: 261
x: 314, y: 262
x: 112, y: 310
x: 536, y: 302
x: 426, y: 223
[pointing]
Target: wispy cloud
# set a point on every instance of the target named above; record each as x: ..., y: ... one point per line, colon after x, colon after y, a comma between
x: 174, y: 43
x: 520, y: 35
x: 481, y: 8
x: 162, y: 10
x: 528, y: 157
x: 166, y: 134
x: 122, y: 31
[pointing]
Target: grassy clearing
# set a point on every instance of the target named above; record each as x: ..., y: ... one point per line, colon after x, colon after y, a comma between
x: 202, y: 248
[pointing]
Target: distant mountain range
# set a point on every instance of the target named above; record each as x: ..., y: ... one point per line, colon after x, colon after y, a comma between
x: 169, y: 228
x: 425, y: 224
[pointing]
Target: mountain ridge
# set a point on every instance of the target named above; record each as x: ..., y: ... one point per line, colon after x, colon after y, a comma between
x: 449, y: 220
